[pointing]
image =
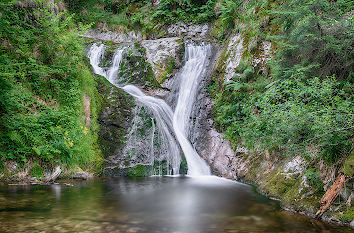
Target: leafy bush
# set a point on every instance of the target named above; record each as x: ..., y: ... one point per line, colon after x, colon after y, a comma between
x: 289, y: 115
x: 42, y: 84
x: 140, y: 15
x: 313, y: 176
x: 228, y: 12
x: 316, y: 39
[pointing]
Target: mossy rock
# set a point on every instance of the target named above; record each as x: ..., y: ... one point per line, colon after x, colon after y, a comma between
x: 114, y: 117
x: 140, y: 170
x: 135, y: 69
x: 135, y: 171
x: 348, y: 215
x: 348, y: 166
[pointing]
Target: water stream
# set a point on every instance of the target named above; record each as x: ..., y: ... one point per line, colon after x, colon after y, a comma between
x: 169, y: 123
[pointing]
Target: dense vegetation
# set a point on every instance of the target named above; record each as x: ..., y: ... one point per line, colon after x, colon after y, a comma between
x: 140, y: 15
x: 43, y: 81
x: 300, y: 102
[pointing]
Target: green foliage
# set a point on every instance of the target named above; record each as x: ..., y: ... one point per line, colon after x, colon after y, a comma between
x: 140, y: 15
x: 348, y: 166
x: 37, y: 170
x: 288, y: 116
x: 172, y: 11
x: 229, y: 12
x: 304, y: 104
x: 43, y: 80
x: 183, y: 168
x: 139, y: 170
x: 316, y: 39
x: 348, y: 215
x: 313, y: 176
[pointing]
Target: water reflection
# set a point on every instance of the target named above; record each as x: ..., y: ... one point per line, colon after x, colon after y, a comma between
x: 154, y: 204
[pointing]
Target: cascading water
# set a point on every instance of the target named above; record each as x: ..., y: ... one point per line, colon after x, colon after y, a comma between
x: 168, y: 147
x: 196, y: 59
x: 112, y: 72
x: 163, y: 115
x: 167, y: 122
x: 96, y: 55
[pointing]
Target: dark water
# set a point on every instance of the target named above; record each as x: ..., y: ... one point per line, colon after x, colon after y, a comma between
x: 154, y: 204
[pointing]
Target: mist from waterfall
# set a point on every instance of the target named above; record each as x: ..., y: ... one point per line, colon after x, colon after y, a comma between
x: 168, y: 123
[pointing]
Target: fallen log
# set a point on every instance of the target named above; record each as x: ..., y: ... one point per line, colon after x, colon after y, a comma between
x: 52, y: 177
x: 331, y: 194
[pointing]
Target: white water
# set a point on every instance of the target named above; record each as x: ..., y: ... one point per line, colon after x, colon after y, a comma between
x: 163, y: 115
x: 113, y: 71
x: 196, y: 57
x: 166, y: 120
x: 96, y: 55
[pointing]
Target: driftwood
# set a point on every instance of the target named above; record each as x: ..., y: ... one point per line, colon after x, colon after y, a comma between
x: 54, y: 175
x: 331, y: 194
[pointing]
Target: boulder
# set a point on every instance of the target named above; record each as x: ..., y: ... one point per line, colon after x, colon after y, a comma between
x: 164, y: 56
x: 82, y: 175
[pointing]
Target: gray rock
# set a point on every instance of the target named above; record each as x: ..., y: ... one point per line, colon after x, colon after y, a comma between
x: 233, y: 56
x: 191, y: 31
x: 113, y: 36
x: 352, y: 224
x: 160, y: 52
x: 82, y: 175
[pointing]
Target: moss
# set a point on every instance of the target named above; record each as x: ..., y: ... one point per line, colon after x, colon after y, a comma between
x: 348, y: 215
x: 140, y: 170
x: 37, y: 170
x: 279, y: 185
x: 115, y: 114
x: 348, y: 166
x: 218, y: 31
x: 166, y: 71
x: 135, y: 69
x: 184, y: 166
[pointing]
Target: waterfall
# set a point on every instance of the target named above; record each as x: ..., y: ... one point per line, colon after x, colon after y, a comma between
x: 96, y: 55
x: 163, y: 115
x: 168, y: 123
x: 113, y: 71
x: 196, y: 59
x: 169, y: 148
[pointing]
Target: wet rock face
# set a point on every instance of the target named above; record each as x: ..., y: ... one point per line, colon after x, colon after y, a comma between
x: 135, y: 69
x: 230, y: 57
x: 113, y: 36
x: 115, y: 117
x: 164, y: 55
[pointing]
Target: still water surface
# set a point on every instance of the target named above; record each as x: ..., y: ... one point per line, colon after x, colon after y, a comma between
x: 153, y: 204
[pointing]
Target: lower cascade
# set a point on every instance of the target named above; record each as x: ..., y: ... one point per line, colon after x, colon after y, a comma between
x: 196, y: 58
x: 170, y: 124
